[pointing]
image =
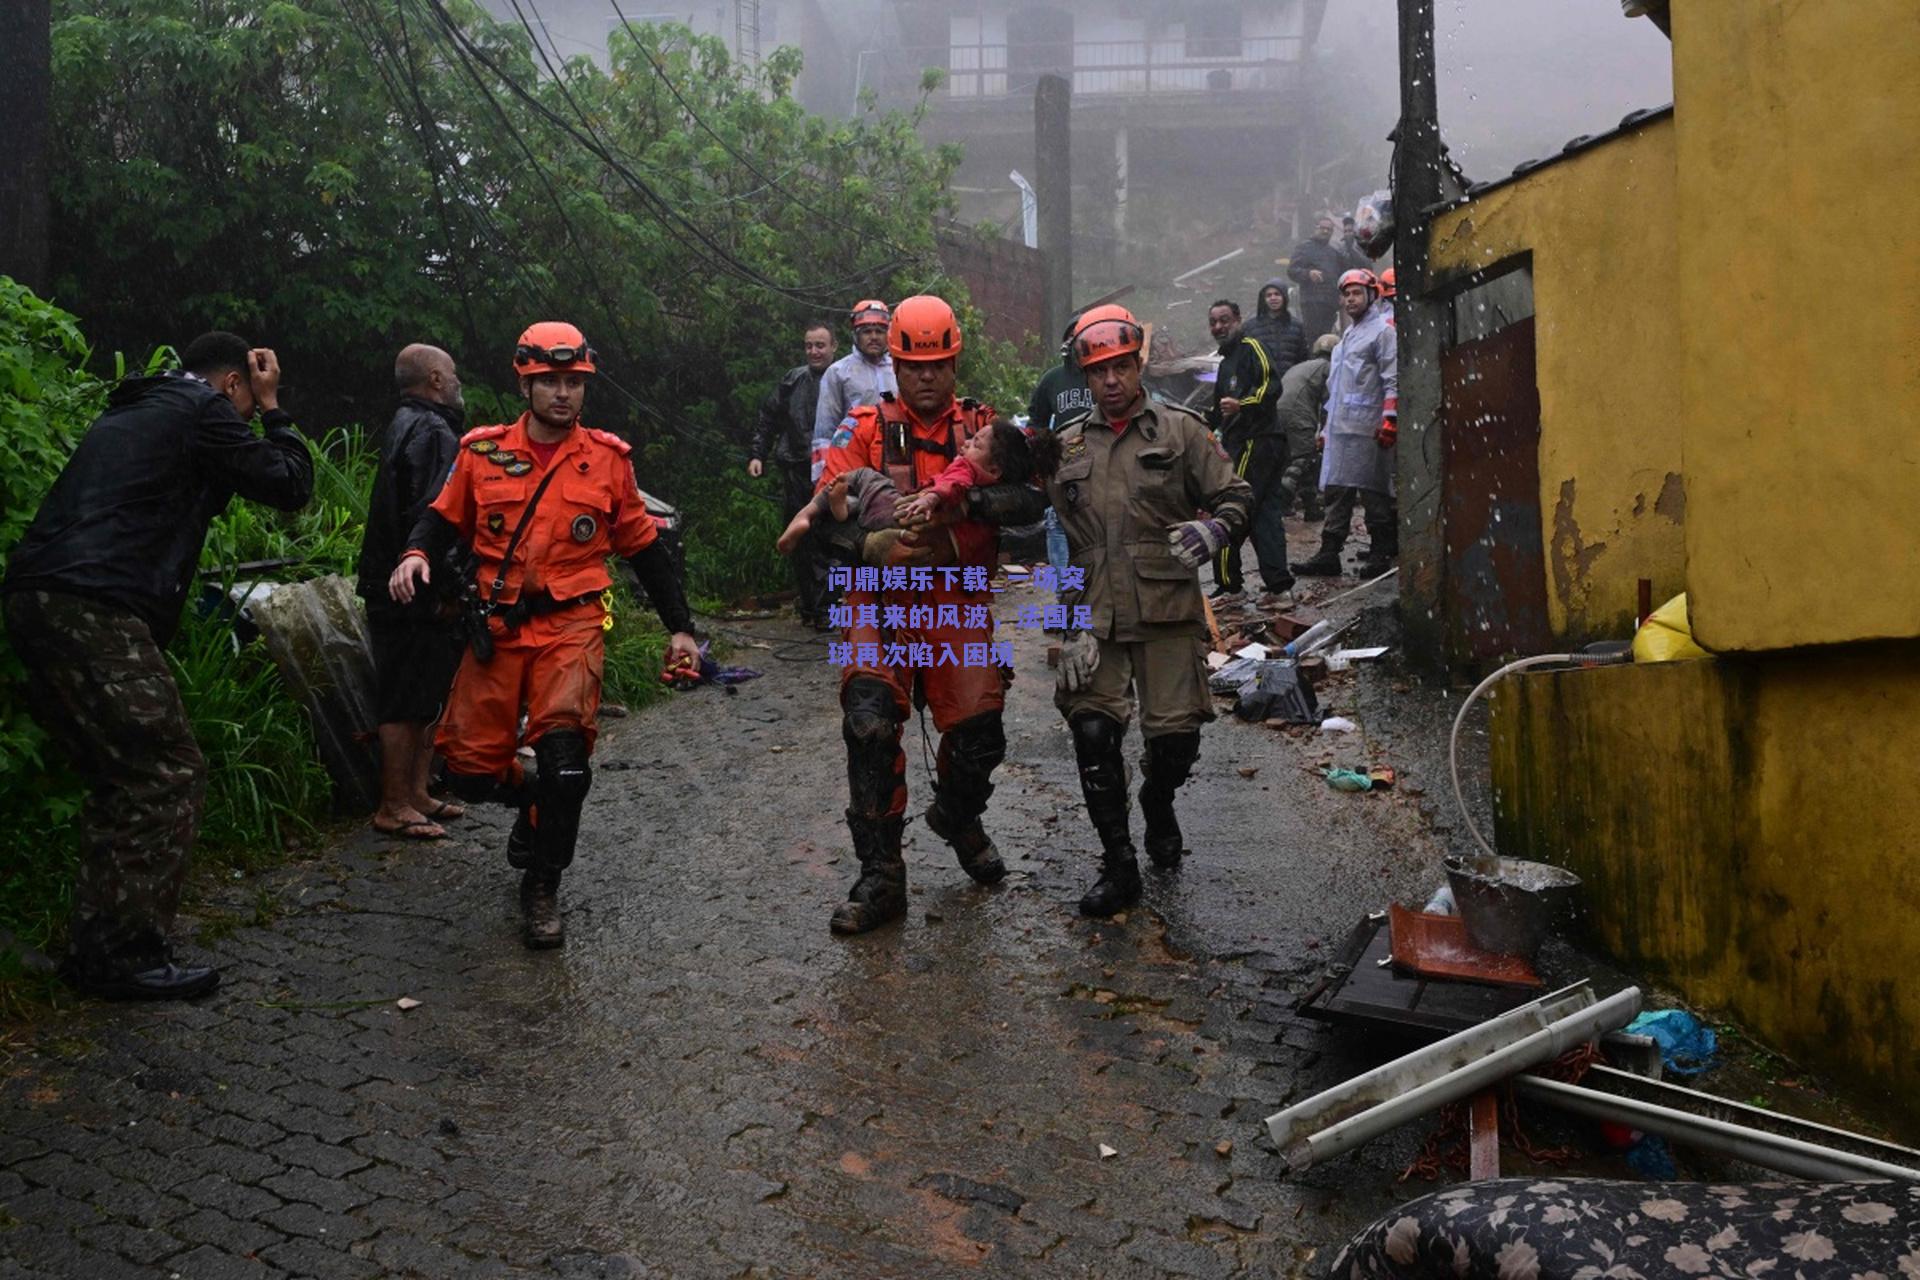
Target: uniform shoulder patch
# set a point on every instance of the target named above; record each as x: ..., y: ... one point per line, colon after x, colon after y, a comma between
x: 611, y: 440
x: 1076, y: 422
x: 493, y: 432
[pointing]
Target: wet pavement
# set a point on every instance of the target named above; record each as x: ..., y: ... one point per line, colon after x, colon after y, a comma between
x: 704, y: 1082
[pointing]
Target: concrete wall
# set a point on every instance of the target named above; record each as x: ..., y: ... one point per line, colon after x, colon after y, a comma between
x: 1799, y: 192
x: 1601, y: 228
x: 1746, y: 832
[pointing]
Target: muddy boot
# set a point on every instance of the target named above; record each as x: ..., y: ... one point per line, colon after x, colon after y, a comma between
x: 969, y: 753
x: 1164, y: 766
x: 520, y: 843
x: 1325, y: 564
x: 879, y: 896
x: 971, y: 845
x: 1103, y: 780
x: 540, y: 909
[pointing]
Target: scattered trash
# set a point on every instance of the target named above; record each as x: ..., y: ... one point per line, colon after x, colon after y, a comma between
x: 406, y: 1002
x: 1382, y: 777
x: 613, y: 711
x: 1107, y: 1152
x: 1441, y: 903
x: 1277, y: 690
x: 1341, y: 659
x: 1347, y: 780
x: 1687, y: 1045
x: 1215, y: 661
x: 1249, y: 771
x: 1223, y: 1148
x: 1338, y: 724
x: 686, y: 674
x: 1651, y: 1158
x: 1257, y: 652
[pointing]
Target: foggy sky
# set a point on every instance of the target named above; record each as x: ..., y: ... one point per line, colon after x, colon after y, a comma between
x: 1517, y: 78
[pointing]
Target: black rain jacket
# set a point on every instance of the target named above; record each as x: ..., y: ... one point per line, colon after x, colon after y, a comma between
x: 125, y: 521
x: 416, y: 453
x: 784, y: 433
x: 1277, y: 332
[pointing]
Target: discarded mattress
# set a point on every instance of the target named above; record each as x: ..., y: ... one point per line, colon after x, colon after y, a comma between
x: 1541, y: 1228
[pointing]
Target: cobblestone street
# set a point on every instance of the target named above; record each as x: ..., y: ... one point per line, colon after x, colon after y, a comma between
x: 704, y: 1082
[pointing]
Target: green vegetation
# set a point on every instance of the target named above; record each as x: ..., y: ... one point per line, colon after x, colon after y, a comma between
x: 339, y: 177
x: 335, y: 178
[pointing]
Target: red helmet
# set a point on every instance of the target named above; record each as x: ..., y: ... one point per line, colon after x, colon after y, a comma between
x: 1104, y: 333
x: 1386, y: 283
x: 1360, y: 275
x: 550, y: 347
x: 924, y: 328
x: 869, y: 311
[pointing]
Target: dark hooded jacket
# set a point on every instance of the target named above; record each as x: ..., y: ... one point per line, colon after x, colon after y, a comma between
x: 125, y: 521
x: 1277, y: 332
x: 416, y: 454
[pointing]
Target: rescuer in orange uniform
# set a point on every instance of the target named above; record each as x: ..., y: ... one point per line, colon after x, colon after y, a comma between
x: 542, y: 502
x: 912, y: 436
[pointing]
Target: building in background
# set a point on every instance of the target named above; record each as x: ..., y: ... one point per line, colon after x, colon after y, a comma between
x: 1654, y: 366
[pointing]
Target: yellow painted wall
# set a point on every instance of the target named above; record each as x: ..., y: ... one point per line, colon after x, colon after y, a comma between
x: 1601, y: 228
x: 1747, y: 832
x: 1798, y: 198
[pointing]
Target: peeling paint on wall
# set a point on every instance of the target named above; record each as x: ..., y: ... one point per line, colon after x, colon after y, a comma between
x: 1672, y: 502
x: 1571, y: 557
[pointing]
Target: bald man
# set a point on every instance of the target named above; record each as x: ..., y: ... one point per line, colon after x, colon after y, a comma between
x: 416, y: 646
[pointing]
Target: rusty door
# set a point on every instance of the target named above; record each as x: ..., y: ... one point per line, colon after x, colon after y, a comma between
x: 1496, y: 579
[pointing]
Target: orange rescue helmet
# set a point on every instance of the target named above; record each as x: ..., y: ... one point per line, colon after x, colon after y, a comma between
x: 1105, y: 333
x: 869, y: 311
x: 924, y: 328
x: 1386, y: 283
x: 552, y: 346
x: 1360, y: 275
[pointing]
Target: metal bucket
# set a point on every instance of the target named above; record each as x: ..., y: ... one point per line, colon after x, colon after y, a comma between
x: 1511, y: 913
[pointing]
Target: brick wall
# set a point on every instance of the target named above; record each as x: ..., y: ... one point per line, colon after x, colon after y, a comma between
x: 1007, y: 282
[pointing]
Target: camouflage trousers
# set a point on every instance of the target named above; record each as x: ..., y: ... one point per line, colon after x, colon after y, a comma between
x: 97, y: 684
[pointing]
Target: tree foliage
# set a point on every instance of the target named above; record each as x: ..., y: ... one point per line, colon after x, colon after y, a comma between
x: 339, y: 177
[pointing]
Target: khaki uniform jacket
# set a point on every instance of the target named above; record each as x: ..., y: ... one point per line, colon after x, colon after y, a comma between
x: 1117, y: 494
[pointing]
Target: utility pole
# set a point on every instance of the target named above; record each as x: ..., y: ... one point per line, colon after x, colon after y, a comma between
x: 1053, y: 178
x: 1419, y: 320
x: 26, y: 85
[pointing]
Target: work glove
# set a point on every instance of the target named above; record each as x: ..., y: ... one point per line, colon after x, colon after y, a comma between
x: 1195, y: 541
x: 1079, y: 659
x: 1387, y: 434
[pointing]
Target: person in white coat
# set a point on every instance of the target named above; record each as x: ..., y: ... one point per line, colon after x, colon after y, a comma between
x: 1363, y: 404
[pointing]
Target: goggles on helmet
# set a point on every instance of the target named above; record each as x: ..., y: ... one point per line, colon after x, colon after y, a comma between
x: 528, y: 354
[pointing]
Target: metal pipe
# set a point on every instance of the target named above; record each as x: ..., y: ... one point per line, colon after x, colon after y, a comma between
x: 1768, y: 1150
x: 1426, y: 1079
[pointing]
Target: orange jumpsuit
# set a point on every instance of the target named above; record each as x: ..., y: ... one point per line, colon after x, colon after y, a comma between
x: 550, y: 666
x: 889, y: 437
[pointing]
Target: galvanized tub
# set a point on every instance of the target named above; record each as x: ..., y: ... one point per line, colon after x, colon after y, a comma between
x: 1510, y: 913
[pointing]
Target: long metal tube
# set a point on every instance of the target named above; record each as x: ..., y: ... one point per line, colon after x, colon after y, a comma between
x: 1769, y: 1150
x: 1427, y: 1079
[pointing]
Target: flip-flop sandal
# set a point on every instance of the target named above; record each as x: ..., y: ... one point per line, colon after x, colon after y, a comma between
x: 446, y: 811
x: 413, y: 831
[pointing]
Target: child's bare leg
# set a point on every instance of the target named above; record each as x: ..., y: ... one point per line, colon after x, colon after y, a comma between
x: 796, y: 530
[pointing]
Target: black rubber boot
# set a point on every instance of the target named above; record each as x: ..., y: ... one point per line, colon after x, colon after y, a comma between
x: 879, y: 896
x: 1103, y: 780
x: 969, y: 753
x: 540, y: 909
x: 520, y: 842
x: 971, y: 844
x: 1164, y: 766
x: 1324, y: 564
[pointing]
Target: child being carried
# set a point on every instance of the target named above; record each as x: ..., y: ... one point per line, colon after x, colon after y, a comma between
x: 999, y: 454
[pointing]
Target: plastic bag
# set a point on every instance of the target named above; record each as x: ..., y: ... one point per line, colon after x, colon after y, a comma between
x: 1667, y: 635
x: 1687, y: 1045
